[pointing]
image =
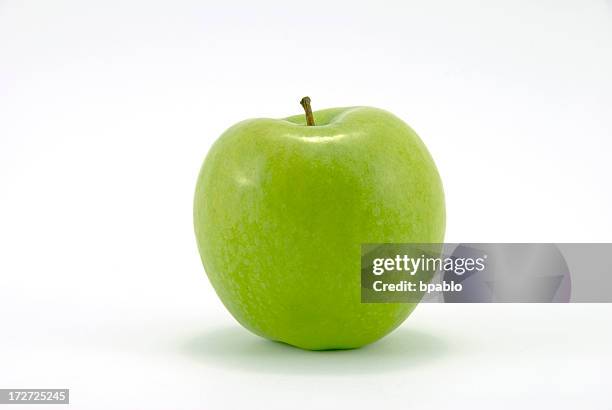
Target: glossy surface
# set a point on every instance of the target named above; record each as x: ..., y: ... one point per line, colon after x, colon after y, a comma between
x: 281, y: 210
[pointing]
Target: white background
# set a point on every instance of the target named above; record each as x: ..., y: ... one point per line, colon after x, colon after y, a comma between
x: 107, y: 109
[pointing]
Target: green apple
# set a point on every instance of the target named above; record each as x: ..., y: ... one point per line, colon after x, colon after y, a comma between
x: 281, y: 209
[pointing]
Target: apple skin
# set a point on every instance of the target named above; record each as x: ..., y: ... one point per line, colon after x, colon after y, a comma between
x: 282, y: 208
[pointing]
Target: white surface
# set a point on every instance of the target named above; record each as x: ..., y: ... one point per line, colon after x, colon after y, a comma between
x: 107, y: 109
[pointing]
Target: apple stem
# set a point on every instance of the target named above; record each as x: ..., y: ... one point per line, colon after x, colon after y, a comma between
x: 305, y: 102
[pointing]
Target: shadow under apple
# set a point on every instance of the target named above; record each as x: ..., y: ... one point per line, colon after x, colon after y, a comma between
x: 234, y: 347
